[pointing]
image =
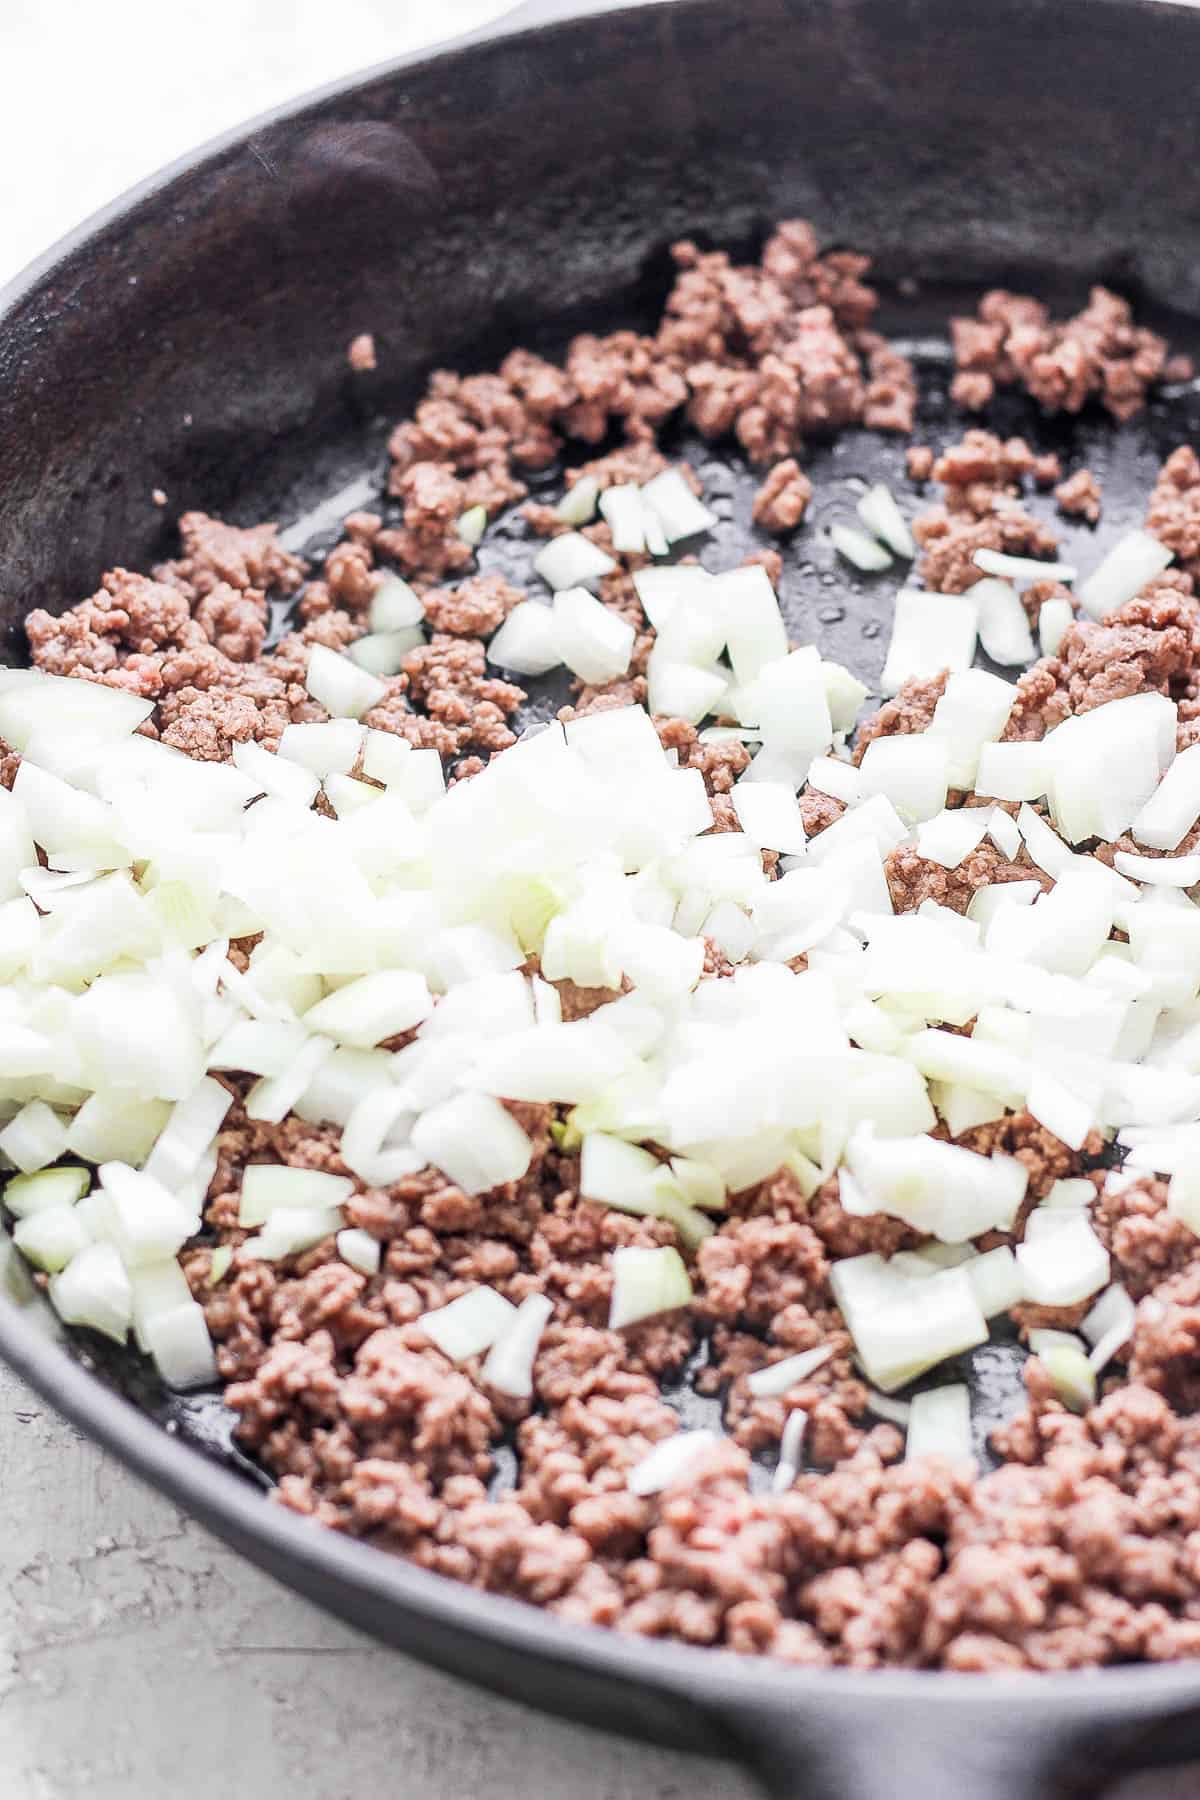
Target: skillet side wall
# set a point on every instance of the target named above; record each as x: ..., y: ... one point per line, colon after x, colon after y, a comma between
x: 195, y: 341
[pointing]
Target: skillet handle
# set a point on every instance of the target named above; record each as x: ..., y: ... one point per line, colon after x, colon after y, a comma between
x: 927, y: 1753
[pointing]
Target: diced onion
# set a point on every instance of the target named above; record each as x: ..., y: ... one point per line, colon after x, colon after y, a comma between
x: 595, y: 644
x: 1159, y: 871
x: 36, y: 1136
x: 194, y: 1123
x: 578, y: 504
x: 94, y: 1290
x: 344, y: 690
x: 1174, y: 806
x: 912, y: 769
x: 470, y: 526
x: 1022, y: 568
x: 940, y: 1424
x: 1003, y: 626
x: 1133, y: 561
x: 51, y: 1237
x: 509, y: 1366
x: 277, y: 775
x: 880, y: 514
x: 395, y: 606
x: 930, y: 632
x: 469, y: 1325
x: 646, y: 1282
x: 382, y: 653
x: 864, y: 551
x: 358, y: 1248
x: 669, y: 1462
x: 621, y: 506
x: 291, y: 1230
x: 269, y: 1187
x: 675, y: 506
x: 180, y: 1344
x: 27, y: 1194
x: 572, y: 561
x: 777, y: 1378
x: 474, y: 1141
x: 527, y: 642
x: 1055, y: 618
x: 1064, y: 1267
x: 324, y: 749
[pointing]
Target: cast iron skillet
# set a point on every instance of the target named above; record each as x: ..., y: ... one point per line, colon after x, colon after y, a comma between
x: 506, y: 189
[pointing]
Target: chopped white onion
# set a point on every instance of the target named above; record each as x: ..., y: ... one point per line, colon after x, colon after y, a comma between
x: 578, y: 504
x: 1159, y: 871
x: 509, y: 1366
x: 527, y: 642
x: 194, y: 1123
x: 470, y: 526
x: 777, y: 1378
x: 36, y: 1136
x: 769, y: 814
x: 1064, y: 1266
x: 864, y: 551
x: 344, y: 690
x: 996, y: 1279
x: 1022, y: 568
x: 1133, y: 561
x: 51, y: 1237
x: 94, y: 1290
x: 395, y: 606
x: 469, y: 1325
x: 474, y: 1141
x: 382, y: 653
x: 358, y: 1248
x: 594, y: 642
x: 669, y: 1462
x: 572, y: 561
x: 939, y: 1424
x: 621, y: 506
x: 829, y: 775
x: 911, y: 769
x: 675, y: 506
x: 1174, y: 806
x: 791, y: 1450
x: 646, y: 1282
x: 1003, y: 625
x: 880, y: 514
x: 291, y: 1230
x: 1055, y: 618
x: 180, y: 1344
x: 269, y: 1187
x: 325, y: 749
x: 276, y: 775
x: 930, y: 632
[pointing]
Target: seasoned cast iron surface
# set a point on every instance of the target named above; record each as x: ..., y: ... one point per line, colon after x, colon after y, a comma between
x: 826, y: 602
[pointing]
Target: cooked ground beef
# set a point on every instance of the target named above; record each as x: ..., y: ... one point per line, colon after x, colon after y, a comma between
x: 1099, y: 353
x: 1083, y: 1547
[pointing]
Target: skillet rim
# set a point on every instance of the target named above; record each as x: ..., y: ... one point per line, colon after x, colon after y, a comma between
x: 715, y: 1680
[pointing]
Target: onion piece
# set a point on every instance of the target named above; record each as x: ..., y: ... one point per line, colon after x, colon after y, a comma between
x: 905, y: 1333
x: 675, y: 506
x: 840, y: 780
x: 469, y: 1325
x: 344, y: 690
x: 509, y: 1366
x: 35, y: 1137
x: 180, y: 1344
x: 51, y: 1237
x: 137, y: 1214
x: 1064, y: 1267
x: 940, y: 1424
x: 880, y: 514
x: 755, y: 631
x: 358, y: 1248
x: 930, y: 632
x: 470, y: 526
x: 669, y: 1461
x: 646, y: 1282
x: 291, y: 1230
x: 996, y: 1279
x: 324, y: 749
x: 113, y: 1127
x: 269, y: 1187
x: 272, y: 1098
x: 1055, y: 618
x: 949, y: 837
x: 941, y: 1189
x: 28, y: 1194
x: 1159, y: 871
x: 864, y: 551
x: 94, y: 1290
x: 527, y: 642
x: 1003, y: 625
x: 1133, y: 561
x: 185, y: 1140
x: 373, y: 1145
x: 276, y: 775
x: 1067, y: 1365
x: 376, y: 1006
x: 777, y: 1378
x: 159, y: 1287
x: 769, y: 814
x: 911, y: 769
x: 1013, y: 771
x: 791, y: 1449
x: 382, y: 653
x: 1022, y: 568
x: 572, y: 561
x: 594, y: 642
x: 395, y: 606
x: 1174, y: 806
x: 218, y: 1266
x: 621, y: 507
x: 474, y: 1141
x: 578, y: 504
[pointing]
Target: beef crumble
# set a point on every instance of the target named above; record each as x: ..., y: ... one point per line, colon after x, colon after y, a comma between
x: 1083, y: 1547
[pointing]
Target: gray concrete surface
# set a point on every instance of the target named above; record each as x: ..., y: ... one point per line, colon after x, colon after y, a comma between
x: 139, y: 1659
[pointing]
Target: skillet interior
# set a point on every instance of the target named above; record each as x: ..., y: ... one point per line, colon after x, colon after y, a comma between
x: 520, y: 190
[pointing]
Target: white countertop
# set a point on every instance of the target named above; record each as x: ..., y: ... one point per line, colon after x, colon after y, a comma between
x: 140, y: 1659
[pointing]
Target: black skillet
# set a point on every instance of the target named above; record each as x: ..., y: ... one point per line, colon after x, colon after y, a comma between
x: 509, y: 189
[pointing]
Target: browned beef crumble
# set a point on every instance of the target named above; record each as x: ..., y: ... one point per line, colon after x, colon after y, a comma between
x: 1099, y: 353
x: 1079, y: 496
x: 1084, y: 1547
